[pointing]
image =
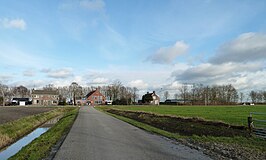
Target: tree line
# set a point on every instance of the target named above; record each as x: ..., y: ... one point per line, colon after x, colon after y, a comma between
x: 199, y: 94
x: 116, y: 92
x: 195, y: 94
x: 258, y: 96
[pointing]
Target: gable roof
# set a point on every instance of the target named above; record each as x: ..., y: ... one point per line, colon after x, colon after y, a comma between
x: 90, y: 93
x: 52, y: 92
x: 151, y: 94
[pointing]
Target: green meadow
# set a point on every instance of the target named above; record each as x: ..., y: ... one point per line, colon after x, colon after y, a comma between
x: 236, y: 115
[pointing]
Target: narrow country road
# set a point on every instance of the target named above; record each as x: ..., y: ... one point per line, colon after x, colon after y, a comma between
x: 98, y: 136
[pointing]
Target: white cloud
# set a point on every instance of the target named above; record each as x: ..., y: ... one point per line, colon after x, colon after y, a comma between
x: 166, y: 55
x: 138, y: 84
x: 93, y: 5
x: 29, y: 73
x: 46, y: 70
x: 5, y: 78
x: 13, y: 23
x: 245, y: 48
x: 240, y: 62
x: 210, y: 73
x: 30, y: 84
x: 99, y: 81
x: 59, y: 73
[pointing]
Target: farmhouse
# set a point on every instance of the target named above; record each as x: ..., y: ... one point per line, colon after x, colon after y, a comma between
x: 95, y: 97
x: 45, y: 97
x: 151, y: 98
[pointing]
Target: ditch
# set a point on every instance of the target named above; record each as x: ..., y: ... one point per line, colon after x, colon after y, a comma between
x: 18, y: 145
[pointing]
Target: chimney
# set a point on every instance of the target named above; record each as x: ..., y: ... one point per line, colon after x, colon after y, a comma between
x: 153, y: 92
x: 147, y: 92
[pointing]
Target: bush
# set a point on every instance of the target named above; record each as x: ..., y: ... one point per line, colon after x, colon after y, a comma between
x: 62, y: 103
x: 122, y: 101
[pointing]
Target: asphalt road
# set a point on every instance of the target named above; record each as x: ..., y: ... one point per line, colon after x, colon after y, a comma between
x: 98, y: 136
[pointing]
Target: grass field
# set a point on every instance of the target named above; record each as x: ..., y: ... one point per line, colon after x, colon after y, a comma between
x: 236, y: 115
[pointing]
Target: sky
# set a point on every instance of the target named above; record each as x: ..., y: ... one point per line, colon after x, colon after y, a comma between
x: 152, y: 45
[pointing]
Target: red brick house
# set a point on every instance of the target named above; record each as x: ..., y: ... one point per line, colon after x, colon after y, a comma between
x: 95, y: 97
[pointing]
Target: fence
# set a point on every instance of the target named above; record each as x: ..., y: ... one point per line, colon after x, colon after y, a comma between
x: 257, y: 124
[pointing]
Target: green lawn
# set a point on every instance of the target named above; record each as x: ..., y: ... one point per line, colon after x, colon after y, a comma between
x: 236, y: 115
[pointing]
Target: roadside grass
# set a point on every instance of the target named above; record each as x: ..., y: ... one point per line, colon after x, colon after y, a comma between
x: 12, y: 131
x: 251, y: 144
x: 235, y: 115
x: 41, y: 147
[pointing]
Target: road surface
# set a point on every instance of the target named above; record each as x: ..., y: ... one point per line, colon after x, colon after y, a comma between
x: 97, y: 136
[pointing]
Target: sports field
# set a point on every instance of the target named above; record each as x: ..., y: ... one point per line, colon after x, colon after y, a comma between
x: 236, y: 115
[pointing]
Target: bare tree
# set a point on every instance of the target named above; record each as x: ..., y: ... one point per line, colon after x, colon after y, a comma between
x: 253, y: 96
x: 176, y: 95
x: 49, y: 87
x: 259, y: 97
x: 264, y: 96
x: 21, y: 92
x: 183, y: 92
x: 241, y: 95
x: 3, y: 92
x: 166, y: 95
x: 135, y: 94
x: 129, y: 95
x: 64, y: 92
x: 115, y: 89
x: 73, y: 88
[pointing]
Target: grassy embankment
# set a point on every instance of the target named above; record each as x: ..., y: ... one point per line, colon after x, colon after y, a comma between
x: 234, y: 115
x: 41, y: 147
x: 12, y: 131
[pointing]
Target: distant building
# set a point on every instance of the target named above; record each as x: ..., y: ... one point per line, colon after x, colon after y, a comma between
x: 151, y: 98
x: 95, y: 97
x: 45, y: 97
x: 177, y: 102
x: 21, y: 101
x: 82, y: 101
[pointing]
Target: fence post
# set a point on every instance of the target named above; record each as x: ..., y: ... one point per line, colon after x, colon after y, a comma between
x: 250, y: 126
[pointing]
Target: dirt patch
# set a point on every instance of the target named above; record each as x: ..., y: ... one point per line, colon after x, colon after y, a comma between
x: 224, y: 151
x: 8, y: 114
x: 185, y: 126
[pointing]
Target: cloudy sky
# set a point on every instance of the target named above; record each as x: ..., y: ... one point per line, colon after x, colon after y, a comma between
x: 151, y: 45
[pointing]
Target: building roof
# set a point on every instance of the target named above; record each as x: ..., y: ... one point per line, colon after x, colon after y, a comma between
x: 42, y: 92
x: 21, y: 99
x: 90, y: 93
x: 152, y: 94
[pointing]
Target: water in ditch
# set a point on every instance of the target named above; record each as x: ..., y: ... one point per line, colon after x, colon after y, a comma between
x: 15, y: 147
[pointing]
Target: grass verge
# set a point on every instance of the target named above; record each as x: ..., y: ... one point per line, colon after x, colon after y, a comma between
x: 40, y: 147
x: 12, y: 131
